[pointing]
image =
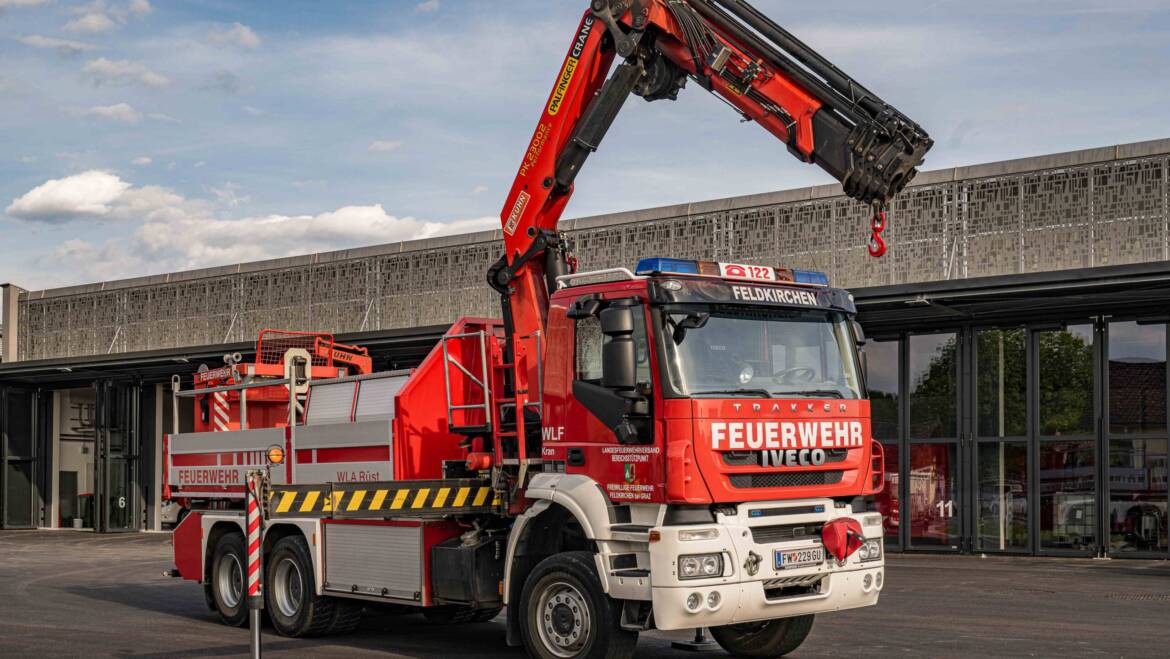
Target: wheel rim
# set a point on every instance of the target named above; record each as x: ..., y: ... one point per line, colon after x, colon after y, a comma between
x: 230, y: 580
x: 564, y: 619
x: 288, y: 589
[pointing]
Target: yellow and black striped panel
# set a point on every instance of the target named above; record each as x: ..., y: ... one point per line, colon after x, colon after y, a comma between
x: 382, y: 499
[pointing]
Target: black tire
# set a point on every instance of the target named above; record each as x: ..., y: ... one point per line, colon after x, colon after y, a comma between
x: 290, y: 595
x: 209, y: 598
x: 456, y: 614
x: 763, y: 640
x: 226, y: 592
x: 563, y: 595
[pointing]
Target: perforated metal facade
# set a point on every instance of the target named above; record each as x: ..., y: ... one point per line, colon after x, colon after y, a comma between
x: 1082, y: 209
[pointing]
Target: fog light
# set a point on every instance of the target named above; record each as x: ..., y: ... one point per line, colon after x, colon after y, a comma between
x: 694, y: 601
x: 878, y: 580
x: 867, y: 582
x: 713, y: 599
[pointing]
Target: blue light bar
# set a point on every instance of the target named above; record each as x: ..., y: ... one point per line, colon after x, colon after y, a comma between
x: 660, y: 265
x: 811, y: 277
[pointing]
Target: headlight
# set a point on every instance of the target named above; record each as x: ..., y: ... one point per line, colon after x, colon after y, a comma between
x: 700, y: 566
x: 698, y: 534
x: 871, y: 550
x: 871, y: 520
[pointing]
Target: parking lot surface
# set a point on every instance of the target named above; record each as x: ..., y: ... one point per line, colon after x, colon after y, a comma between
x: 80, y: 594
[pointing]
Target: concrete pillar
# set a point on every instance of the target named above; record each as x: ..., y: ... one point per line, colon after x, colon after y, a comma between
x: 9, y: 317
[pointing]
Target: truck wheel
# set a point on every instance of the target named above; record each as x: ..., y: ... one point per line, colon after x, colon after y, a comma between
x: 227, y: 593
x: 763, y: 640
x: 567, y: 616
x: 290, y: 595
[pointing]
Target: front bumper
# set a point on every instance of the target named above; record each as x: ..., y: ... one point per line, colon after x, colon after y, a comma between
x: 769, y: 593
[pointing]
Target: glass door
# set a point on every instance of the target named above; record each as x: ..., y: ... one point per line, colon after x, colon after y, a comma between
x: 882, y: 381
x: 1135, y: 477
x: 18, y: 458
x: 1065, y: 422
x: 1000, y: 447
x: 117, y: 457
x: 932, y: 509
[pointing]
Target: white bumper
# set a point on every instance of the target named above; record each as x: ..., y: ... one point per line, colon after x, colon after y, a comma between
x: 770, y: 592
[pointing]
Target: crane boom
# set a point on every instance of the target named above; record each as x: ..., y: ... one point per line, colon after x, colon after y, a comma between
x: 729, y: 48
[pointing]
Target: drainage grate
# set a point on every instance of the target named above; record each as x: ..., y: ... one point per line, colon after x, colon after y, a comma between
x: 1140, y: 597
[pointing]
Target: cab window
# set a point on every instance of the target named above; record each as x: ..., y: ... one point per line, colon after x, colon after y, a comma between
x: 589, y: 340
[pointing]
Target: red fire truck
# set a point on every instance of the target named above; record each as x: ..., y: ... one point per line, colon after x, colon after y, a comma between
x: 684, y: 444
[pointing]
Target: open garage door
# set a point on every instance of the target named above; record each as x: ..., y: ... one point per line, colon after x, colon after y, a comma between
x: 20, y: 449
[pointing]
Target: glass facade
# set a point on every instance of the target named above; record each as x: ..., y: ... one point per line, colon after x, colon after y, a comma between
x: 1002, y: 495
x: 933, y: 495
x: 1044, y: 439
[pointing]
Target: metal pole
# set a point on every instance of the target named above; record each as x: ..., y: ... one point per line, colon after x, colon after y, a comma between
x: 255, y: 523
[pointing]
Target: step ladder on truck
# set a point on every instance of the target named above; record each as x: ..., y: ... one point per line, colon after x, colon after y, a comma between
x: 681, y: 445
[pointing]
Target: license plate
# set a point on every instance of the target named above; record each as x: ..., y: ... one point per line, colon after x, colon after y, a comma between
x: 786, y: 558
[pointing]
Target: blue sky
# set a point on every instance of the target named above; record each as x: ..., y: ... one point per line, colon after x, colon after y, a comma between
x: 142, y: 137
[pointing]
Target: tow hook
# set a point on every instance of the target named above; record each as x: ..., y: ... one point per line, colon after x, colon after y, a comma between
x: 752, y: 564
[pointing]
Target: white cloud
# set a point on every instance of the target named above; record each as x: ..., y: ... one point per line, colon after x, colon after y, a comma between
x: 384, y: 146
x: 253, y: 111
x: 228, y: 195
x: 64, y: 46
x: 142, y: 161
x: 101, y: 16
x: 236, y: 34
x: 88, y: 194
x: 92, y: 23
x: 427, y: 6
x: 164, y: 118
x: 123, y: 112
x: 479, y: 189
x: 21, y: 3
x: 104, y: 71
x: 177, y: 233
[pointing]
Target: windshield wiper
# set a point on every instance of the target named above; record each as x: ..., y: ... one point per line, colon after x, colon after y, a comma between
x: 759, y: 393
x: 812, y: 393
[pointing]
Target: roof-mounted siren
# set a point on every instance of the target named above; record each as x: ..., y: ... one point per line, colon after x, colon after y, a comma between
x: 740, y: 271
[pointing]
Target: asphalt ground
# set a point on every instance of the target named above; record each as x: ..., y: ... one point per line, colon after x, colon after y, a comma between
x: 80, y: 594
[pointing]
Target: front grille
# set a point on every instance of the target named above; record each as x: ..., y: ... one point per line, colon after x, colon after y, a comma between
x: 765, y: 535
x: 786, y: 479
x: 788, y: 582
x: 750, y: 458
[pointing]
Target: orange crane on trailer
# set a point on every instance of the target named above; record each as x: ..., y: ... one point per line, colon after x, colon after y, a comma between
x: 684, y: 444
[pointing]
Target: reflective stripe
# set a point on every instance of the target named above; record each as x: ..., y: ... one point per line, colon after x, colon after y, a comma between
x: 399, y: 499
x: 310, y: 501
x: 421, y: 497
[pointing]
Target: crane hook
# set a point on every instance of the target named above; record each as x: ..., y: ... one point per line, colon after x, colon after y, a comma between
x: 877, y: 245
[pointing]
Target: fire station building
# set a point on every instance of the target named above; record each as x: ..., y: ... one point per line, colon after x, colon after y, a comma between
x: 1016, y: 356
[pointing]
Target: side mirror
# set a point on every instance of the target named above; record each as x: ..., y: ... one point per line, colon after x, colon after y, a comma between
x: 619, y: 359
x: 858, y: 333
x: 863, y: 362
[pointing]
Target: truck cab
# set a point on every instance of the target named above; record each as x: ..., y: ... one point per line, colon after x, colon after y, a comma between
x: 722, y: 411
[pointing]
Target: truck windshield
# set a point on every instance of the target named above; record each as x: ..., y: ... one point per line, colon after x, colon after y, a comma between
x: 762, y: 353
